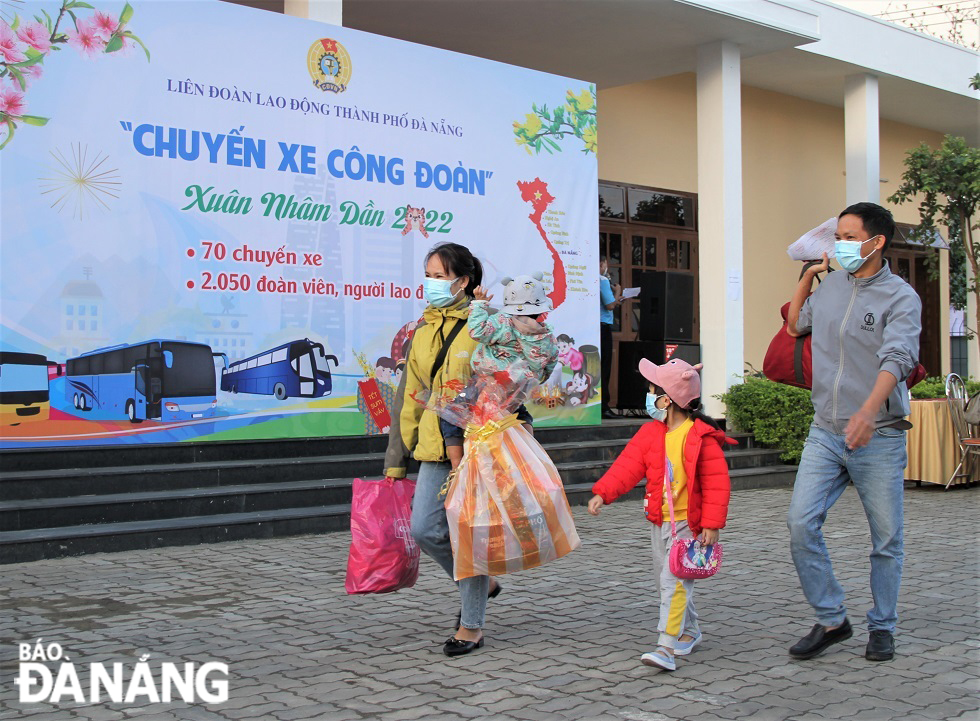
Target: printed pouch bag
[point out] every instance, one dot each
(688, 557)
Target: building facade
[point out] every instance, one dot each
(727, 130)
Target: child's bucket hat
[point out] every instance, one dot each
(525, 295)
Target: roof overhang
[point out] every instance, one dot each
(804, 48)
(608, 42)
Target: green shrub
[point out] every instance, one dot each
(935, 387)
(777, 415)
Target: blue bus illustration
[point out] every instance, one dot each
(298, 368)
(161, 379)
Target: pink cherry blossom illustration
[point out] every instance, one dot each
(33, 72)
(105, 25)
(86, 39)
(26, 46)
(11, 101)
(10, 50)
(36, 35)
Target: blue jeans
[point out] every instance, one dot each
(877, 472)
(430, 529)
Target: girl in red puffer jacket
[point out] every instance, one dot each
(691, 443)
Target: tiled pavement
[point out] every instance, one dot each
(563, 641)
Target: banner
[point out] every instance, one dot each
(213, 219)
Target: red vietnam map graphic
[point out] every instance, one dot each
(536, 193)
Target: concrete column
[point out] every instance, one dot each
(945, 360)
(325, 11)
(861, 139)
(719, 88)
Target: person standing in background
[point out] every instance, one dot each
(609, 297)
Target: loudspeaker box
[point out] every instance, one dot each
(666, 305)
(632, 387)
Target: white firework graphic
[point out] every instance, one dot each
(79, 180)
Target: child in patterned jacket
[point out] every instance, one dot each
(512, 335)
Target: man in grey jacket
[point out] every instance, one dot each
(865, 325)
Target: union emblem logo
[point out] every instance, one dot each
(329, 64)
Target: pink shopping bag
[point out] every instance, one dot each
(383, 555)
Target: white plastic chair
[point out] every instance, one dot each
(968, 445)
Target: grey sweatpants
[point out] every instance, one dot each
(677, 613)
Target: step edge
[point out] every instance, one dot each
(130, 527)
(177, 493)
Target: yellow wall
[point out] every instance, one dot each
(648, 133)
(792, 170)
(793, 180)
(896, 141)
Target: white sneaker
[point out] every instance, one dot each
(659, 658)
(685, 647)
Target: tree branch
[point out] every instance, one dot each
(54, 33)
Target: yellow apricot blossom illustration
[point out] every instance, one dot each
(582, 101)
(543, 127)
(591, 140)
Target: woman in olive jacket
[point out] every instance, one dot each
(451, 274)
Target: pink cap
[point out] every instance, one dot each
(679, 379)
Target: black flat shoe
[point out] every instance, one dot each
(881, 646)
(455, 647)
(819, 639)
(492, 594)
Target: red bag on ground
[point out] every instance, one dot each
(383, 555)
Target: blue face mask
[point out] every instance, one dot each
(657, 414)
(848, 253)
(437, 292)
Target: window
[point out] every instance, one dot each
(94, 325)
(678, 254)
(644, 251)
(612, 202)
(93, 310)
(68, 324)
(615, 253)
(610, 245)
(903, 269)
(114, 362)
(81, 324)
(649, 206)
(265, 359)
(69, 310)
(959, 354)
(81, 310)
(279, 355)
